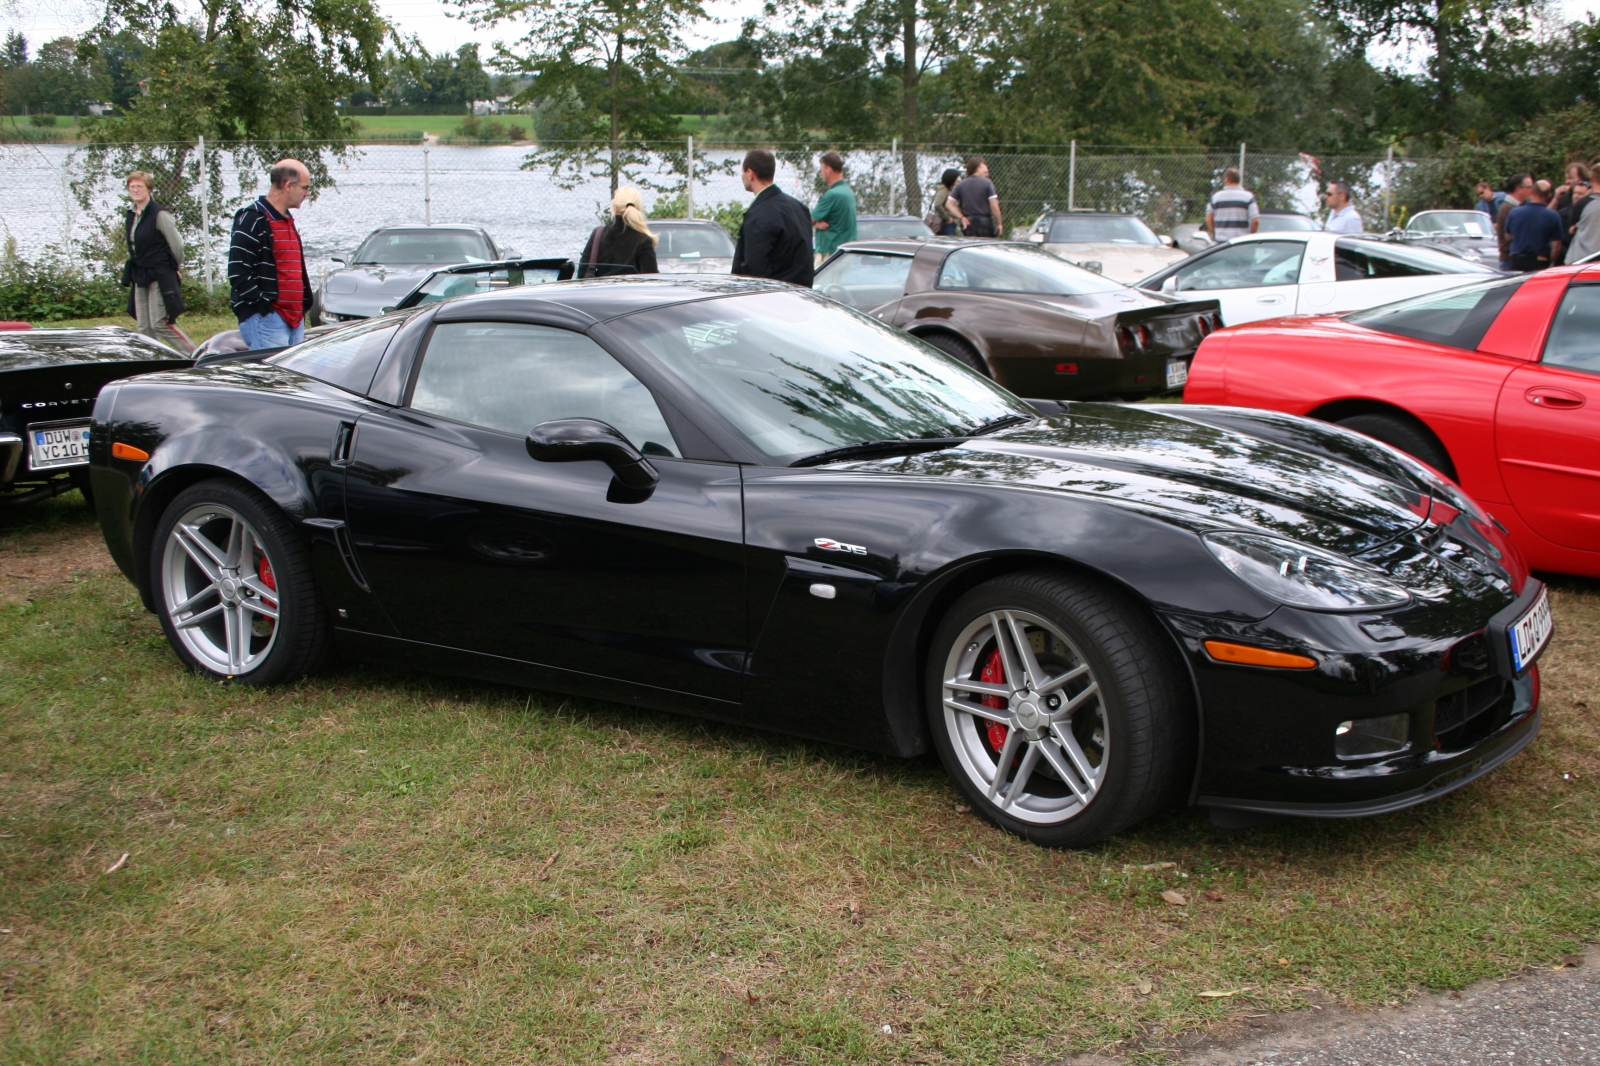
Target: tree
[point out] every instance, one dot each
(615, 56)
(450, 80)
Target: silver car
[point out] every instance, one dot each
(390, 263)
(692, 246)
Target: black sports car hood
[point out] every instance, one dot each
(1203, 476)
(33, 349)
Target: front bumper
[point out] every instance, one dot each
(1269, 735)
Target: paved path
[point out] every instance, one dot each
(1545, 1018)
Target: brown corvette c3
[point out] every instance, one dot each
(1029, 319)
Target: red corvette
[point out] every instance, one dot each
(1496, 384)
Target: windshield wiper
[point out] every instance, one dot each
(997, 423)
(875, 448)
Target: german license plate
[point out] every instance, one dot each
(1531, 632)
(64, 444)
(1177, 373)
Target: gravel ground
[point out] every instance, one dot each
(1543, 1018)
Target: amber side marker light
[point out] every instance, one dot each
(128, 451)
(1249, 655)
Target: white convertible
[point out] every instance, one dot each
(1266, 275)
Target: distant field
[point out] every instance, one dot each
(398, 125)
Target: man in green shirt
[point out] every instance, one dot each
(834, 217)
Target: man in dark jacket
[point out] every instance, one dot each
(775, 237)
(266, 264)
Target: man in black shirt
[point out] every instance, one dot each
(775, 237)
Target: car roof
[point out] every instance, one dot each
(889, 218)
(910, 245)
(1277, 211)
(1091, 214)
(685, 222)
(599, 299)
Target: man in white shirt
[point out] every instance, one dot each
(1344, 218)
(1232, 211)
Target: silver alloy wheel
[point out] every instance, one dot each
(1033, 736)
(218, 585)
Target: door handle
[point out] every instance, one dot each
(1275, 298)
(1556, 399)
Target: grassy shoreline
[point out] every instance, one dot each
(372, 865)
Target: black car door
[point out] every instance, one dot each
(470, 543)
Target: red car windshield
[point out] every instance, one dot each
(1456, 318)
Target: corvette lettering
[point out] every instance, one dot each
(839, 546)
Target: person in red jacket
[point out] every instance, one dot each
(266, 264)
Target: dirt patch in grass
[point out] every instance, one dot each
(58, 544)
(374, 866)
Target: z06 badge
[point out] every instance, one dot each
(838, 546)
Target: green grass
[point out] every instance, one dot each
(197, 327)
(378, 127)
(375, 866)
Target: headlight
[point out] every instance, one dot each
(1302, 576)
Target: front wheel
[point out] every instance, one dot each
(959, 350)
(234, 588)
(1058, 708)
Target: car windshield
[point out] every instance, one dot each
(798, 374)
(693, 242)
(1279, 223)
(1019, 268)
(1093, 229)
(347, 357)
(1452, 224)
(444, 285)
(878, 229)
(409, 247)
(1457, 318)
(864, 279)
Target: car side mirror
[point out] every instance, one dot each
(576, 440)
(1036, 238)
(1171, 284)
(510, 255)
(337, 259)
(1166, 239)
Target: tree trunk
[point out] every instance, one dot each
(910, 78)
(1443, 66)
(616, 113)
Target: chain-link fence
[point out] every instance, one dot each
(68, 199)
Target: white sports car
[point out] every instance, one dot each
(1266, 275)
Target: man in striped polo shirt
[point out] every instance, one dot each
(1232, 211)
(266, 265)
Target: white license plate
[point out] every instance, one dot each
(54, 446)
(1177, 373)
(1531, 632)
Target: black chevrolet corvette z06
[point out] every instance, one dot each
(49, 379)
(742, 500)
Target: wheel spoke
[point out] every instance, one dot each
(1033, 675)
(201, 550)
(1068, 775)
(1080, 761)
(1008, 659)
(196, 619)
(1049, 686)
(188, 604)
(236, 539)
(978, 710)
(238, 638)
(1025, 771)
(264, 608)
(1075, 702)
(981, 688)
(1002, 766)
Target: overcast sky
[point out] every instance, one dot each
(42, 20)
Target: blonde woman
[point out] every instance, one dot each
(155, 255)
(625, 245)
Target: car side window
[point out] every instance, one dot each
(1574, 341)
(510, 377)
(347, 358)
(1248, 265)
(1356, 263)
(863, 279)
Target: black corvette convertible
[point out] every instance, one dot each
(742, 500)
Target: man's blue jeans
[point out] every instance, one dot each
(270, 331)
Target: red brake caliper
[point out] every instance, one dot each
(264, 572)
(993, 670)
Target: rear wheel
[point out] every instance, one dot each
(959, 350)
(1403, 434)
(234, 588)
(1058, 708)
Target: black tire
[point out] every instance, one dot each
(297, 642)
(1406, 435)
(958, 349)
(1138, 720)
